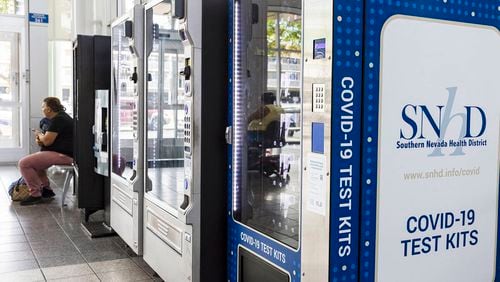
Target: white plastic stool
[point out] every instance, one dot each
(69, 170)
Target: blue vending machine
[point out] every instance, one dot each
(430, 176)
(294, 167)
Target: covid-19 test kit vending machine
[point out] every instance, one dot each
(295, 101)
(127, 130)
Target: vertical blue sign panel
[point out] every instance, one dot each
(426, 62)
(347, 82)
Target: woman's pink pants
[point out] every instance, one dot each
(33, 168)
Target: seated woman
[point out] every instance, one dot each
(56, 149)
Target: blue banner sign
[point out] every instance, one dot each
(38, 18)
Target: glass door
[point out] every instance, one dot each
(124, 107)
(10, 102)
(165, 113)
(267, 123)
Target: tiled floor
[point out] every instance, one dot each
(45, 243)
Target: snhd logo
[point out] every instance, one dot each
(439, 118)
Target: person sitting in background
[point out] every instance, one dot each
(56, 149)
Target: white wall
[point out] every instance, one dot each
(95, 16)
(90, 17)
(38, 64)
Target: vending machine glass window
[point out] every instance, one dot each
(165, 111)
(267, 123)
(124, 103)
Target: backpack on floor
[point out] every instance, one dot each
(18, 190)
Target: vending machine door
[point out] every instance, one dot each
(167, 236)
(127, 132)
(265, 214)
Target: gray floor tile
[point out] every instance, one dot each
(46, 224)
(16, 256)
(75, 233)
(71, 225)
(65, 243)
(118, 240)
(20, 265)
(58, 251)
(54, 235)
(60, 260)
(113, 265)
(84, 278)
(144, 266)
(85, 244)
(33, 275)
(42, 230)
(66, 271)
(124, 275)
(30, 220)
(67, 220)
(34, 210)
(12, 247)
(103, 256)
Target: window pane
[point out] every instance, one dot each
(12, 7)
(5, 71)
(9, 127)
(61, 76)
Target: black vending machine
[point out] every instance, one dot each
(91, 75)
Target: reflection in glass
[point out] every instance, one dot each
(267, 122)
(124, 107)
(165, 114)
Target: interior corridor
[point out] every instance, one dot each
(45, 242)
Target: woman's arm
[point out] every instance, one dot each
(48, 138)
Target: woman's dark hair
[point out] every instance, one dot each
(54, 104)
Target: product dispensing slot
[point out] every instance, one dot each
(252, 268)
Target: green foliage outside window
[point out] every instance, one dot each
(272, 39)
(4, 6)
(289, 32)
